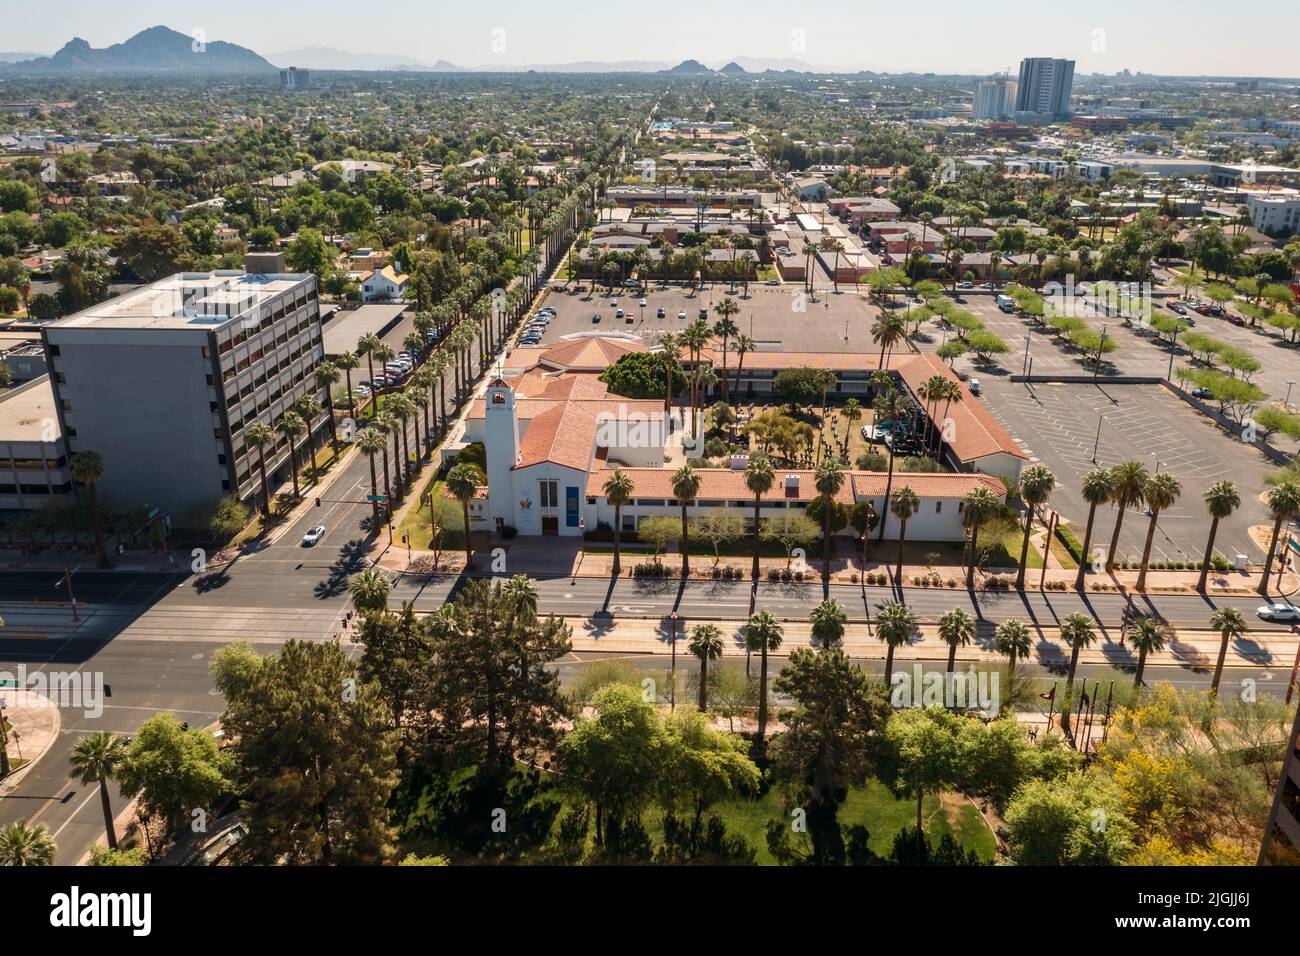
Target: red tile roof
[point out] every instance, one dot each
(729, 484)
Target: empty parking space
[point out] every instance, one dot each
(1072, 429)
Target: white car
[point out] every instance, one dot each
(1279, 612)
(313, 536)
(681, 314)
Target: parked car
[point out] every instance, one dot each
(595, 317)
(681, 314)
(660, 312)
(772, 282)
(974, 386)
(618, 313)
(642, 303)
(704, 313)
(314, 535)
(1279, 612)
(1177, 308)
(1200, 392)
(1234, 319)
(965, 285)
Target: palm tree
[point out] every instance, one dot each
(829, 479)
(957, 629)
(1012, 639)
(743, 345)
(829, 620)
(669, 353)
(96, 759)
(23, 845)
(726, 329)
(524, 591)
(366, 346)
(706, 644)
(1036, 485)
(403, 408)
(345, 363)
(1231, 624)
(372, 443)
(895, 625)
(903, 503)
(462, 482)
(1128, 479)
(686, 488)
(326, 377)
(291, 426)
(1097, 490)
(88, 469)
(1221, 500)
(1161, 491)
(759, 478)
(887, 331)
(369, 590)
(763, 633)
(1147, 636)
(1283, 503)
(618, 492)
(310, 409)
(978, 508)
(259, 435)
(890, 407)
(1078, 631)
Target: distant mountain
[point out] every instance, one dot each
(330, 58)
(760, 64)
(732, 69)
(691, 68)
(19, 57)
(155, 50)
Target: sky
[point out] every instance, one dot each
(1190, 37)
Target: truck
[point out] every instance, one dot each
(1005, 303)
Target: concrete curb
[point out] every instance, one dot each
(10, 783)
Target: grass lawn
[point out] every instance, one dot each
(872, 806)
(416, 524)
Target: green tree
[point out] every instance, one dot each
(923, 754)
(316, 748)
(829, 479)
(1077, 819)
(1078, 632)
(1012, 638)
(759, 478)
(1283, 502)
(1147, 637)
(172, 770)
(309, 252)
(369, 589)
(234, 668)
(258, 435)
(1128, 480)
(462, 482)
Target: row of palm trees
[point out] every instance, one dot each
(895, 625)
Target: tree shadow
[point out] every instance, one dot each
(351, 559)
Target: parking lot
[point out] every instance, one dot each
(1058, 426)
(776, 317)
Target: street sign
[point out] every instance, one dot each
(379, 498)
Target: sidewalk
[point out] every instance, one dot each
(568, 556)
(1188, 647)
(34, 726)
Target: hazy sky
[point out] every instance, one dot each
(1103, 36)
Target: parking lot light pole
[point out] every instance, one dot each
(1287, 401)
(1096, 443)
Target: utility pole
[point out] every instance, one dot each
(672, 690)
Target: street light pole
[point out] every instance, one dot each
(1096, 443)
(1287, 401)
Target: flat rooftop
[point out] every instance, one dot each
(187, 300)
(26, 411)
(345, 327)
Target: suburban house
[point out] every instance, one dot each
(383, 285)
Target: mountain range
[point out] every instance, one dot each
(155, 50)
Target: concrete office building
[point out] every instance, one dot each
(995, 99)
(1044, 87)
(164, 381)
(1281, 846)
(34, 470)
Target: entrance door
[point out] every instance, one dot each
(550, 524)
